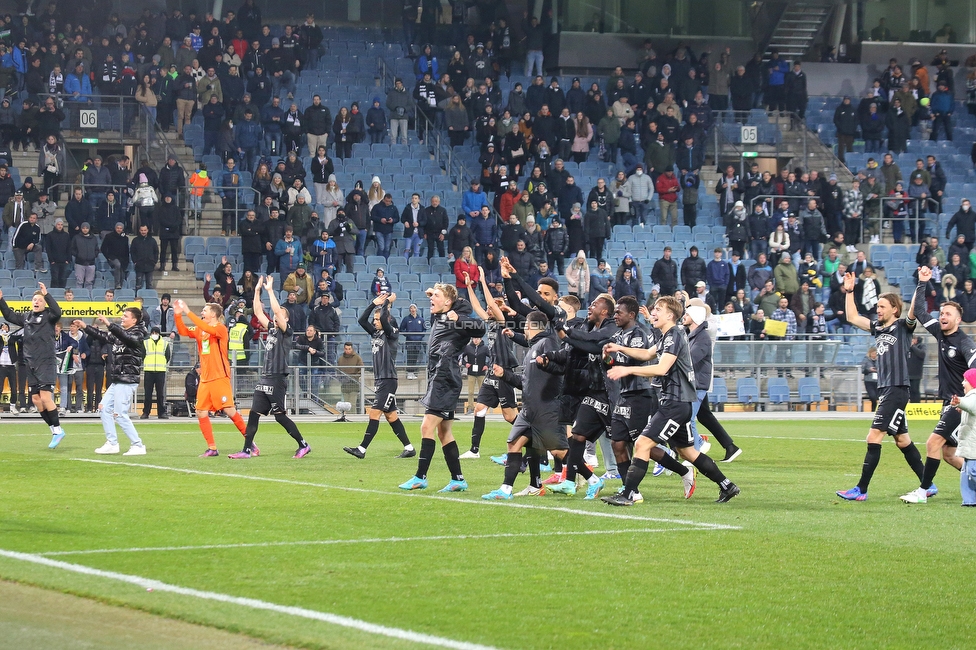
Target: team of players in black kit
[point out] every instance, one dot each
(581, 378)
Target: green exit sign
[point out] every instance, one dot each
(89, 140)
(750, 154)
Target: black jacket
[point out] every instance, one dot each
(170, 220)
(57, 245)
(459, 237)
(845, 119)
(965, 223)
(126, 353)
(665, 274)
(116, 247)
(317, 120)
(145, 253)
(433, 221)
(253, 237)
(38, 342)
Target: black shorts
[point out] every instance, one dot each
(495, 391)
(41, 377)
(671, 425)
(269, 396)
(543, 433)
(630, 416)
(948, 425)
(890, 416)
(568, 408)
(444, 415)
(593, 417)
(385, 395)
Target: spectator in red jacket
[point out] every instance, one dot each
(466, 265)
(506, 202)
(667, 189)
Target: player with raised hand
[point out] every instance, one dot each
(893, 339)
(215, 392)
(957, 354)
(269, 394)
(451, 328)
(38, 354)
(385, 336)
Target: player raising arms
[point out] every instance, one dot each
(957, 354)
(38, 353)
(215, 392)
(494, 391)
(384, 335)
(893, 338)
(450, 330)
(269, 394)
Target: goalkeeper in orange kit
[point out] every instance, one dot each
(215, 392)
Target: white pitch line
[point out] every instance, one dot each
(509, 504)
(334, 619)
(368, 540)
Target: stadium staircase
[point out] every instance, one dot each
(798, 28)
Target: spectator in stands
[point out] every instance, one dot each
(484, 227)
(172, 178)
(57, 243)
(300, 282)
(785, 278)
(758, 274)
(872, 128)
(846, 122)
(317, 121)
(384, 215)
(728, 189)
(292, 130)
(77, 85)
(27, 239)
(958, 268)
(639, 189)
(768, 298)
(596, 227)
(693, 270)
(376, 122)
(814, 230)
(718, 276)
(667, 186)
(898, 124)
(98, 180)
(964, 221)
(578, 277)
(51, 165)
(248, 137)
(253, 241)
(629, 286)
(169, 220)
(941, 106)
(967, 300)
(115, 248)
(664, 273)
(866, 292)
(144, 252)
(84, 249)
(737, 227)
(601, 281)
(380, 284)
(433, 227)
(343, 232)
(289, 252)
(796, 91)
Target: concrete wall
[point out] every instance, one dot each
(579, 51)
(879, 53)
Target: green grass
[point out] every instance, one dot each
(803, 568)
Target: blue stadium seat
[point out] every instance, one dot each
(778, 390)
(747, 391)
(809, 390)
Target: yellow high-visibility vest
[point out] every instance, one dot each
(155, 354)
(235, 346)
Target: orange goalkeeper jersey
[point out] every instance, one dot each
(211, 346)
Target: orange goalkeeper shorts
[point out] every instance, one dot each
(215, 395)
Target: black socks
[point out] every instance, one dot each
(708, 467)
(252, 428)
(453, 460)
(477, 432)
(871, 460)
(623, 468)
(535, 472)
(371, 428)
(44, 416)
(931, 467)
(512, 466)
(427, 446)
(635, 474)
(667, 462)
(289, 425)
(914, 460)
(400, 432)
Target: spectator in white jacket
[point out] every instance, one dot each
(640, 189)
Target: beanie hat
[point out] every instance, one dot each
(970, 376)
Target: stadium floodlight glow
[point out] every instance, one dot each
(343, 408)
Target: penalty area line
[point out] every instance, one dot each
(508, 504)
(301, 612)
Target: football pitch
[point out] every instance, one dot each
(326, 552)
